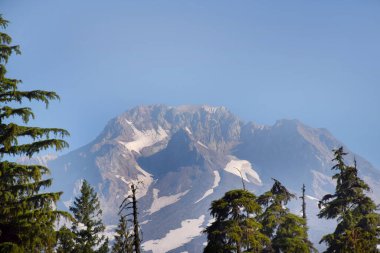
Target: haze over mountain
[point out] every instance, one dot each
(187, 156)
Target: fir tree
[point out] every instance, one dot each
(287, 231)
(65, 240)
(27, 215)
(358, 228)
(123, 238)
(235, 228)
(88, 224)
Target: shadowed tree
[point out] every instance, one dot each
(123, 238)
(65, 240)
(235, 228)
(358, 228)
(287, 231)
(27, 213)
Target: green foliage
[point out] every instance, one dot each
(358, 228)
(65, 239)
(235, 228)
(8, 247)
(123, 238)
(88, 225)
(287, 231)
(291, 235)
(27, 216)
(274, 202)
(104, 247)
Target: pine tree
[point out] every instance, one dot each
(235, 228)
(27, 215)
(88, 224)
(358, 228)
(123, 238)
(288, 232)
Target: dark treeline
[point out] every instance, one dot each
(243, 221)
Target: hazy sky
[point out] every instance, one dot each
(317, 61)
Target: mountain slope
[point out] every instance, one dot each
(187, 156)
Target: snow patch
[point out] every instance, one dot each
(311, 197)
(177, 237)
(188, 130)
(210, 109)
(143, 139)
(145, 222)
(246, 170)
(143, 181)
(211, 191)
(202, 145)
(160, 202)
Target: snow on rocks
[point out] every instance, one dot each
(143, 139)
(188, 130)
(211, 191)
(246, 170)
(176, 238)
(161, 202)
(143, 181)
(202, 145)
(311, 198)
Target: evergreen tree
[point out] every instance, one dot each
(235, 228)
(65, 240)
(88, 224)
(130, 202)
(287, 231)
(358, 228)
(27, 215)
(123, 238)
(104, 248)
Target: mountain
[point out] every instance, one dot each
(184, 157)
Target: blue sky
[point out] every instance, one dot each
(317, 61)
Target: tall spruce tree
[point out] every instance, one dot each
(358, 228)
(88, 226)
(235, 228)
(123, 238)
(288, 232)
(27, 215)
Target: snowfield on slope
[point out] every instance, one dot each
(246, 170)
(211, 191)
(160, 202)
(143, 180)
(143, 139)
(177, 237)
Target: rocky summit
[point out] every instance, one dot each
(186, 156)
